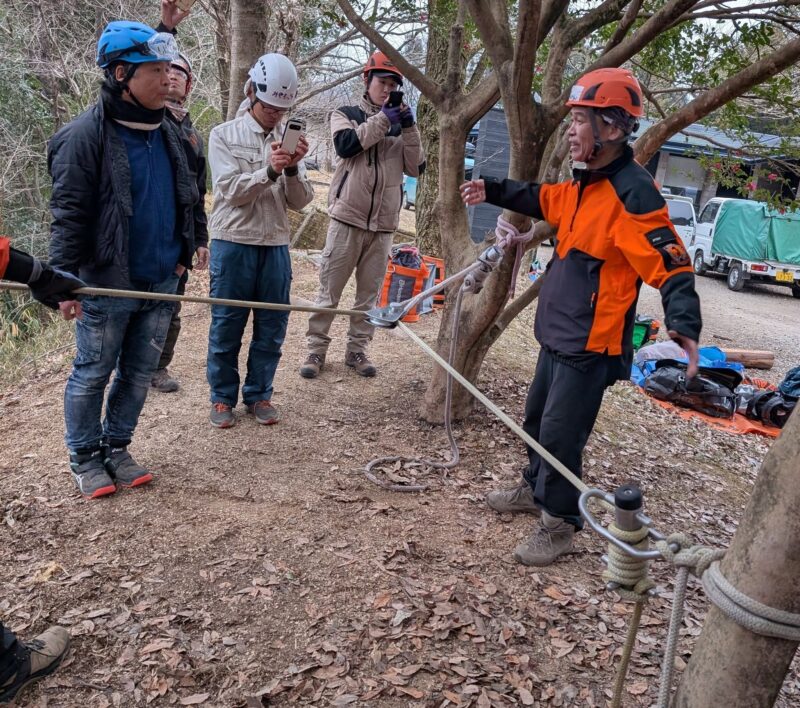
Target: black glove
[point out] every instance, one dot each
(406, 117)
(53, 286)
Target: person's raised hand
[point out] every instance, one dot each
(299, 152)
(171, 14)
(473, 192)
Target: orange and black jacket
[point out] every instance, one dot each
(613, 233)
(14, 265)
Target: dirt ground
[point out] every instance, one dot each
(262, 568)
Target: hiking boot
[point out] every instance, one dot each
(222, 415)
(36, 659)
(264, 411)
(124, 469)
(312, 366)
(90, 474)
(163, 382)
(518, 499)
(552, 539)
(359, 362)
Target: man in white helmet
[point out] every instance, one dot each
(254, 180)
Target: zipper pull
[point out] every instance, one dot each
(593, 300)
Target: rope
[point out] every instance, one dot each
(507, 235)
(624, 570)
(455, 455)
(627, 651)
(747, 612)
(171, 297)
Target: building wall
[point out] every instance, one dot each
(492, 158)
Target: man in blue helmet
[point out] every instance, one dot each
(122, 209)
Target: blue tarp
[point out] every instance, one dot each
(711, 357)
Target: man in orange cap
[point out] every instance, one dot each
(376, 142)
(614, 233)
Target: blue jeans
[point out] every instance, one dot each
(243, 272)
(121, 333)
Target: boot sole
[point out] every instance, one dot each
(139, 481)
(224, 425)
(532, 512)
(309, 374)
(102, 492)
(361, 373)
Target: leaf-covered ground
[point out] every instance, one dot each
(262, 568)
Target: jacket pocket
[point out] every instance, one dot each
(251, 157)
(341, 184)
(89, 333)
(568, 301)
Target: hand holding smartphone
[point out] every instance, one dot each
(291, 134)
(395, 99)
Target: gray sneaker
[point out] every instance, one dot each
(264, 411)
(124, 469)
(518, 499)
(552, 539)
(163, 382)
(222, 415)
(312, 366)
(90, 475)
(360, 362)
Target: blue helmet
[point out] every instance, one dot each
(135, 43)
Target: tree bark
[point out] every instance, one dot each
(731, 666)
(248, 41)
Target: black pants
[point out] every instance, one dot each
(8, 654)
(174, 326)
(562, 406)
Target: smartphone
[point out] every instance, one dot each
(291, 134)
(395, 99)
(185, 5)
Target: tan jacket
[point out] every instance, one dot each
(248, 206)
(367, 186)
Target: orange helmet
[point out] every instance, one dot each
(607, 88)
(380, 65)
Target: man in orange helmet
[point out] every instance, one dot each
(376, 143)
(613, 233)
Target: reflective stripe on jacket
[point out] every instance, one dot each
(367, 187)
(613, 233)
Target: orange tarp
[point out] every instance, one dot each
(738, 425)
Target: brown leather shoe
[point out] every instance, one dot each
(312, 366)
(359, 362)
(36, 659)
(518, 499)
(552, 539)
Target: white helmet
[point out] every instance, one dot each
(274, 80)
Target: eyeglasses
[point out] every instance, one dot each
(177, 68)
(273, 109)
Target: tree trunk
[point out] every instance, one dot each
(248, 40)
(441, 17)
(730, 666)
(479, 312)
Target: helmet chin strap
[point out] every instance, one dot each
(599, 144)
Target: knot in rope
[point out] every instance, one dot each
(696, 559)
(627, 572)
(508, 235)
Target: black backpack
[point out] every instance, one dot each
(710, 392)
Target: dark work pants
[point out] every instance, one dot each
(174, 326)
(562, 406)
(8, 654)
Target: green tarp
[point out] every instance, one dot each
(750, 231)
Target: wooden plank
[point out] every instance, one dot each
(751, 358)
